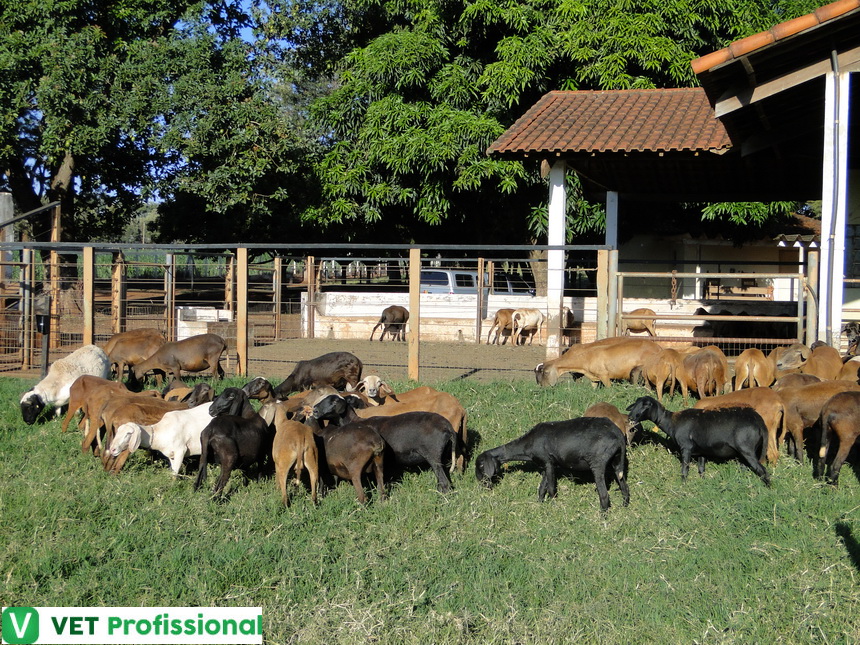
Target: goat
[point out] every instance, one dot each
(393, 321)
(426, 399)
(501, 323)
(723, 433)
(753, 367)
(840, 418)
(777, 417)
(820, 360)
(631, 324)
(195, 354)
(338, 369)
(351, 449)
(600, 361)
(237, 437)
(128, 348)
(176, 436)
(293, 448)
(412, 439)
(53, 390)
(568, 326)
(526, 320)
(609, 411)
(593, 444)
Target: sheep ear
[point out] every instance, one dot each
(134, 439)
(362, 386)
(385, 389)
(237, 406)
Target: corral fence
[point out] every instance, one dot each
(257, 296)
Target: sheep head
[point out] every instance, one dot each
(32, 405)
(126, 437)
(231, 401)
(258, 388)
(641, 408)
(793, 357)
(487, 469)
(546, 375)
(331, 408)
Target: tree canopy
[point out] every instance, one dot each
(290, 119)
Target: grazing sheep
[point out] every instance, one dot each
(237, 437)
(195, 354)
(840, 419)
(753, 369)
(352, 449)
(631, 324)
(393, 322)
(794, 380)
(660, 370)
(820, 360)
(293, 448)
(609, 411)
(705, 371)
(600, 361)
(338, 369)
(81, 391)
(54, 389)
(128, 348)
(594, 444)
(412, 439)
(722, 434)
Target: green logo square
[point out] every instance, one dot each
(20, 625)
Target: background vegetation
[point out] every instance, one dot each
(360, 120)
(721, 559)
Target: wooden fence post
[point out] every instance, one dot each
(54, 262)
(89, 295)
(242, 311)
(311, 275)
(414, 334)
(480, 317)
(602, 293)
(277, 289)
(169, 297)
(118, 307)
(28, 273)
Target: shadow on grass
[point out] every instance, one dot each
(844, 531)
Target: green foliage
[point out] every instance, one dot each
(751, 213)
(427, 86)
(716, 559)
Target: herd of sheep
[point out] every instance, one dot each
(327, 421)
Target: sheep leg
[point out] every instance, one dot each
(548, 482)
(621, 480)
(841, 456)
(355, 478)
(753, 462)
(443, 484)
(377, 470)
(281, 476)
(686, 456)
(701, 466)
(600, 484)
(311, 464)
(228, 462)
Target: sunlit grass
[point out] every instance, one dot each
(719, 559)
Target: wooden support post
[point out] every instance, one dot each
(230, 285)
(89, 295)
(277, 289)
(54, 290)
(242, 311)
(26, 289)
(479, 318)
(812, 264)
(118, 300)
(169, 298)
(414, 334)
(602, 293)
(311, 275)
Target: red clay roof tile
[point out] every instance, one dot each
(616, 121)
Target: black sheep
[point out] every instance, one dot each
(237, 437)
(585, 443)
(722, 433)
(338, 369)
(412, 439)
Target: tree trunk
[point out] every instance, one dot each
(537, 262)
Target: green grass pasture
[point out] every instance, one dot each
(720, 559)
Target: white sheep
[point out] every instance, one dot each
(176, 436)
(55, 388)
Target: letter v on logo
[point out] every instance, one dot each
(20, 625)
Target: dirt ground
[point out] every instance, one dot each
(438, 362)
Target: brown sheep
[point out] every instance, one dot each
(82, 391)
(393, 322)
(753, 367)
(600, 361)
(631, 324)
(609, 411)
(794, 380)
(293, 448)
(195, 354)
(806, 403)
(662, 369)
(820, 360)
(706, 371)
(840, 418)
(128, 348)
(501, 323)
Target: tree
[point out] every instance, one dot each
(431, 83)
